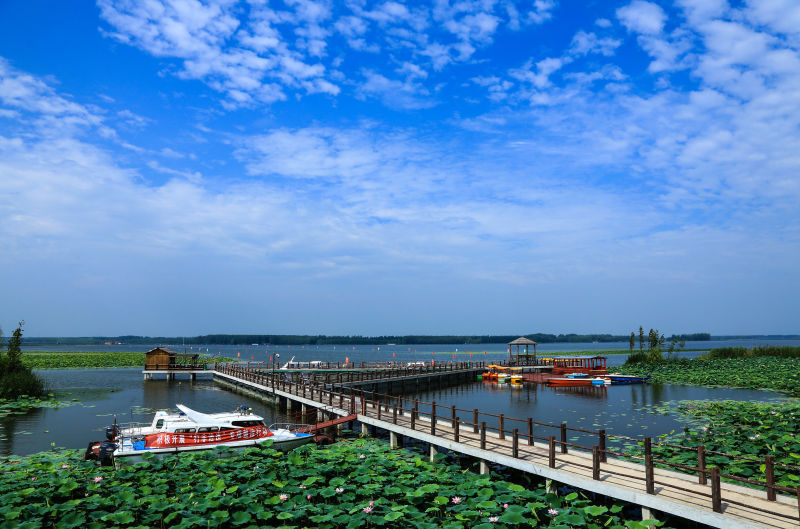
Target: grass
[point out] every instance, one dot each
(361, 483)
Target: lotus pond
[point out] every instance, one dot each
(92, 359)
(24, 404)
(753, 429)
(773, 373)
(361, 483)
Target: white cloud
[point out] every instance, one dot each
(542, 11)
(22, 91)
(192, 176)
(642, 17)
(584, 43)
(782, 16)
(539, 74)
(395, 94)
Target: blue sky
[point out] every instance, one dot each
(190, 167)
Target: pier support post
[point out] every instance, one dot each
(484, 467)
(393, 440)
(551, 487)
(364, 429)
(433, 451)
(647, 514)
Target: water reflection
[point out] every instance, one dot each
(104, 393)
(12, 434)
(624, 410)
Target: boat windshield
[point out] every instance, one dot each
(245, 424)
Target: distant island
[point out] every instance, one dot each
(297, 339)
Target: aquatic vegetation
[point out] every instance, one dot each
(23, 404)
(89, 360)
(785, 351)
(753, 429)
(765, 372)
(309, 487)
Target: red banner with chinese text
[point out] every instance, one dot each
(169, 439)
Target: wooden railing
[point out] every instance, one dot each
(175, 367)
(433, 364)
(460, 425)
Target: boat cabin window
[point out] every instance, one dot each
(184, 430)
(208, 429)
(245, 424)
(160, 423)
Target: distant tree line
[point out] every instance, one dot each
(321, 339)
(694, 337)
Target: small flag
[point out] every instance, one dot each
(238, 355)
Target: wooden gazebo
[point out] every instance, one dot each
(519, 342)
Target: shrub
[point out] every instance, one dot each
(18, 383)
(15, 378)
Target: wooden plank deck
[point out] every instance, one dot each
(676, 493)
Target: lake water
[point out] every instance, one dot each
(104, 393)
(371, 353)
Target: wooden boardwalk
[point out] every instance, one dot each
(700, 496)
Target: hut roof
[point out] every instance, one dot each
(160, 350)
(522, 341)
(170, 352)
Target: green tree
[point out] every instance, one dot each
(655, 342)
(641, 339)
(633, 340)
(14, 353)
(15, 378)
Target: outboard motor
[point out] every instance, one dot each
(111, 433)
(106, 453)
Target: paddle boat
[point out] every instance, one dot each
(515, 376)
(193, 431)
(492, 373)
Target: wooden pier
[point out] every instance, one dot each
(697, 493)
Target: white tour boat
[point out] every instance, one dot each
(192, 431)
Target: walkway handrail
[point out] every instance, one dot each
(391, 408)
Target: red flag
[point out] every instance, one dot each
(252, 357)
(270, 358)
(238, 355)
(454, 356)
(394, 355)
(470, 355)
